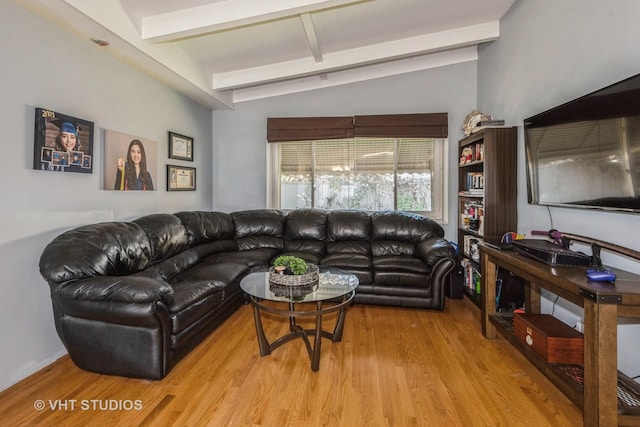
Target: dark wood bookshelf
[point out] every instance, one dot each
(497, 165)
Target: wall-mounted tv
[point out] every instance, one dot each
(586, 153)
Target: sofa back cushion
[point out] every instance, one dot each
(305, 231)
(166, 235)
(349, 231)
(259, 228)
(396, 233)
(104, 249)
(203, 227)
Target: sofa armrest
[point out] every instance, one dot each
(131, 289)
(430, 251)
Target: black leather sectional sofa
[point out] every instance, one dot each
(133, 298)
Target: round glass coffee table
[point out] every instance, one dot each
(334, 291)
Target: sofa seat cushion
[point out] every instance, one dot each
(400, 264)
(345, 260)
(393, 283)
(250, 257)
(193, 300)
(200, 289)
(225, 272)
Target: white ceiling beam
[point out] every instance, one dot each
(171, 26)
(368, 72)
(412, 46)
(312, 38)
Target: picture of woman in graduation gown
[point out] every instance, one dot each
(132, 173)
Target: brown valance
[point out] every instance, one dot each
(308, 128)
(424, 125)
(428, 125)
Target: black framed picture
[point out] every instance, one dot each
(180, 147)
(62, 143)
(181, 178)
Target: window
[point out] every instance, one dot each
(360, 173)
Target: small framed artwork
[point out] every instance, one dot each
(181, 178)
(180, 147)
(62, 143)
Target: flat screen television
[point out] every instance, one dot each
(586, 153)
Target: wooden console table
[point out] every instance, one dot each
(603, 304)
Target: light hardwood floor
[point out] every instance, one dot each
(394, 367)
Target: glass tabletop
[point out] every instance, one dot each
(329, 285)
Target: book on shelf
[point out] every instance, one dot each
(475, 182)
(470, 247)
(472, 215)
(474, 195)
(471, 277)
(479, 152)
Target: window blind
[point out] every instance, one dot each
(422, 125)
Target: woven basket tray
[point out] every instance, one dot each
(311, 276)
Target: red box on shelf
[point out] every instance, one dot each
(550, 338)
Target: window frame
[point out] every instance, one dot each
(439, 182)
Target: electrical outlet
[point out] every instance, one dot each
(580, 326)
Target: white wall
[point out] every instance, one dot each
(44, 66)
(551, 52)
(239, 153)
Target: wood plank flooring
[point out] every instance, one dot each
(394, 367)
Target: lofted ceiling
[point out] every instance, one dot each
(220, 52)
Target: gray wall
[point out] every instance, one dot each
(551, 52)
(239, 152)
(44, 66)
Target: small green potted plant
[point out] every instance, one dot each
(292, 265)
